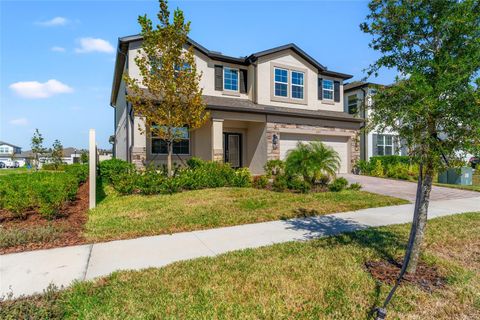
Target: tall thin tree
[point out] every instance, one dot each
(167, 94)
(435, 105)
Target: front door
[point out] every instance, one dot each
(232, 149)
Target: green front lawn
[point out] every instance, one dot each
(318, 279)
(136, 215)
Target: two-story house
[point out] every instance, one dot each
(260, 106)
(8, 153)
(358, 101)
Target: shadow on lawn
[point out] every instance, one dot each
(386, 244)
(100, 192)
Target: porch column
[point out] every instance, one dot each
(217, 139)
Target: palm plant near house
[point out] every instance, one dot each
(311, 161)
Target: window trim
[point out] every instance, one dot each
(330, 90)
(351, 104)
(280, 82)
(297, 85)
(238, 79)
(382, 138)
(164, 154)
(288, 99)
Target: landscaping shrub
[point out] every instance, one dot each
(377, 170)
(242, 178)
(274, 167)
(398, 171)
(324, 180)
(260, 182)
(298, 184)
(280, 183)
(110, 168)
(149, 182)
(364, 167)
(125, 182)
(194, 163)
(338, 184)
(391, 160)
(355, 186)
(79, 171)
(54, 166)
(311, 161)
(44, 191)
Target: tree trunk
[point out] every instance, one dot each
(169, 158)
(419, 223)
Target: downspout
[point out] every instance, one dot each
(363, 144)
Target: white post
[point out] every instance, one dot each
(92, 169)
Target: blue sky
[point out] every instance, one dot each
(57, 57)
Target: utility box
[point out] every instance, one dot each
(461, 176)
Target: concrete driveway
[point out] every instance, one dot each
(405, 189)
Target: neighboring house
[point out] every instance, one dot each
(260, 107)
(70, 156)
(8, 153)
(357, 102)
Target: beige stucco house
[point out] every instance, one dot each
(260, 107)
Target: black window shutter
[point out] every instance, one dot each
(374, 144)
(243, 81)
(336, 91)
(219, 78)
(320, 89)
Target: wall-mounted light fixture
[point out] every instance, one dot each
(275, 141)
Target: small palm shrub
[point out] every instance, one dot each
(298, 184)
(311, 161)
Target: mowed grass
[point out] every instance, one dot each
(136, 215)
(318, 279)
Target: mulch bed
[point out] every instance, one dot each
(71, 222)
(427, 277)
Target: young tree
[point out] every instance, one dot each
(84, 157)
(435, 106)
(173, 98)
(37, 147)
(57, 154)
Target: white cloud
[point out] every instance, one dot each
(57, 49)
(39, 90)
(19, 122)
(54, 22)
(94, 45)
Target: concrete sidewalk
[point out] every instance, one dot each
(31, 272)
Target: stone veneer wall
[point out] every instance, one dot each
(139, 157)
(274, 128)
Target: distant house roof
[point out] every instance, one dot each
(123, 48)
(359, 84)
(67, 153)
(9, 144)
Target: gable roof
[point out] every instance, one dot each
(123, 48)
(9, 144)
(359, 84)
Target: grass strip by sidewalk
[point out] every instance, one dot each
(318, 279)
(136, 215)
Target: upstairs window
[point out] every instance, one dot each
(180, 147)
(230, 79)
(352, 104)
(281, 82)
(328, 89)
(297, 85)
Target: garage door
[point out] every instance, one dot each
(289, 141)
